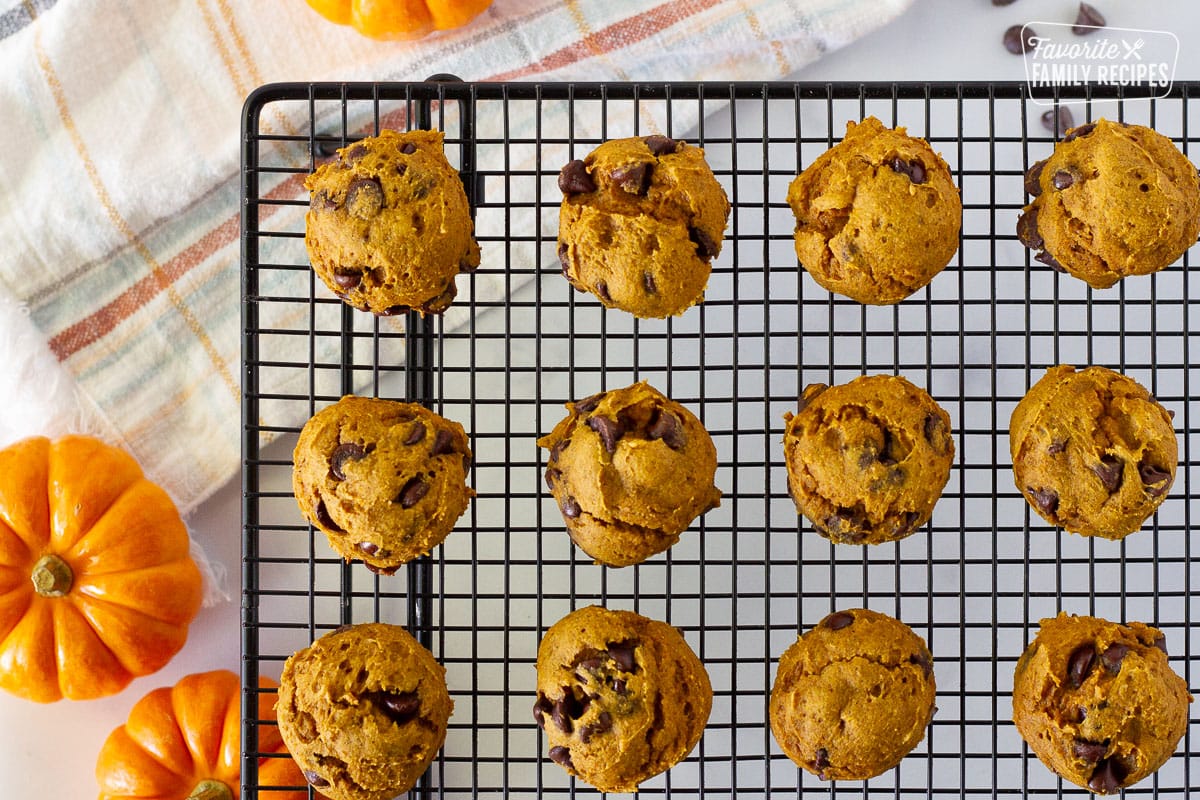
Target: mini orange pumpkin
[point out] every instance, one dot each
(97, 585)
(184, 743)
(400, 19)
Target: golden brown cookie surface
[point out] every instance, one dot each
(621, 697)
(853, 695)
(630, 470)
(1092, 451)
(384, 480)
(877, 216)
(1112, 200)
(363, 711)
(640, 222)
(867, 460)
(389, 226)
(1098, 702)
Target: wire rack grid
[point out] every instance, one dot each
(751, 575)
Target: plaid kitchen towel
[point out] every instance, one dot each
(119, 285)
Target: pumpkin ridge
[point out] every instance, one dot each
(157, 640)
(130, 589)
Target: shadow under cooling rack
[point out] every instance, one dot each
(750, 575)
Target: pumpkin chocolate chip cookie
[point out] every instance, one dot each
(1098, 702)
(877, 216)
(389, 226)
(1092, 451)
(363, 711)
(621, 697)
(630, 470)
(867, 460)
(1112, 200)
(853, 696)
(384, 480)
(640, 222)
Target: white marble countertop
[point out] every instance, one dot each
(49, 752)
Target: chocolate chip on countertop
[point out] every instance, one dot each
(347, 451)
(915, 170)
(1108, 777)
(666, 426)
(325, 520)
(1080, 664)
(412, 492)
(660, 145)
(706, 247)
(1087, 20)
(562, 756)
(633, 178)
(401, 708)
(1109, 471)
(623, 654)
(1089, 751)
(1058, 121)
(574, 179)
(415, 434)
(570, 508)
(1113, 656)
(315, 779)
(1033, 186)
(364, 198)
(609, 431)
(1063, 180)
(838, 620)
(443, 443)
(1017, 44)
(1045, 500)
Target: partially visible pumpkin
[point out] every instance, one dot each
(400, 19)
(184, 743)
(97, 585)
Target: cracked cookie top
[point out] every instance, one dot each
(630, 470)
(621, 697)
(640, 223)
(1098, 702)
(1112, 200)
(385, 481)
(853, 695)
(877, 216)
(363, 711)
(867, 460)
(1092, 451)
(389, 225)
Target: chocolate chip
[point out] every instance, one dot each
(706, 246)
(400, 708)
(633, 178)
(415, 434)
(1076, 716)
(401, 169)
(320, 202)
(1156, 480)
(393, 311)
(666, 426)
(574, 179)
(821, 762)
(563, 257)
(1056, 447)
(348, 451)
(1063, 180)
(557, 451)
(325, 520)
(1017, 44)
(649, 284)
(1108, 777)
(1113, 657)
(1050, 261)
(364, 198)
(558, 713)
(602, 291)
(353, 154)
(542, 707)
(369, 548)
(623, 654)
(915, 170)
(1027, 230)
(1087, 20)
(603, 724)
(413, 491)
(381, 570)
(619, 686)
(838, 620)
(552, 476)
(347, 279)
(589, 658)
(1080, 664)
(1089, 751)
(1003, 2)
(1060, 122)
(443, 443)
(562, 756)
(587, 404)
(1109, 471)
(315, 779)
(1033, 185)
(935, 432)
(609, 431)
(1082, 130)
(660, 145)
(570, 508)
(922, 660)
(1045, 500)
(408, 149)
(1161, 642)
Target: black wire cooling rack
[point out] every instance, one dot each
(519, 342)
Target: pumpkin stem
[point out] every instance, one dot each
(52, 576)
(210, 790)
